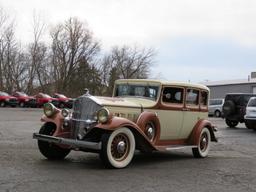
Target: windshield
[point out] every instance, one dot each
(146, 91)
(4, 94)
(252, 102)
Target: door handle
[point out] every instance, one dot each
(185, 109)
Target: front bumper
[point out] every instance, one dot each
(71, 142)
(250, 118)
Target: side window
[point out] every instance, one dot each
(192, 97)
(173, 95)
(204, 98)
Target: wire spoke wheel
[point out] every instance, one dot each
(204, 141)
(120, 147)
(117, 148)
(203, 147)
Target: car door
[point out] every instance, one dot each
(171, 113)
(191, 112)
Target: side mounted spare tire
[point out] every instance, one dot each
(229, 108)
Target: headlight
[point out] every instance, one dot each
(103, 115)
(7, 99)
(49, 109)
(26, 100)
(64, 112)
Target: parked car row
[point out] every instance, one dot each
(23, 100)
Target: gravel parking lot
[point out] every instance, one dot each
(231, 164)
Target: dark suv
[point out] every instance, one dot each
(234, 108)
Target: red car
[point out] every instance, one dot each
(64, 102)
(42, 98)
(24, 100)
(7, 100)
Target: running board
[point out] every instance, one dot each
(174, 147)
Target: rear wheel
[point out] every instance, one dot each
(150, 131)
(117, 148)
(231, 123)
(203, 147)
(50, 150)
(217, 113)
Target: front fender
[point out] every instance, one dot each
(57, 119)
(118, 122)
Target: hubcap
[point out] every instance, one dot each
(121, 147)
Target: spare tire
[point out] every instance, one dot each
(228, 108)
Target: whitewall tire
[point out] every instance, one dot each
(203, 146)
(117, 148)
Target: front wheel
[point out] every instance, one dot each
(22, 104)
(203, 146)
(231, 123)
(2, 104)
(117, 148)
(50, 150)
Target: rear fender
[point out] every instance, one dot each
(194, 137)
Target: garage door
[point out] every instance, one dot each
(254, 90)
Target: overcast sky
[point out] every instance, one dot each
(195, 40)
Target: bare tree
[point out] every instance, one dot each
(37, 52)
(126, 62)
(72, 46)
(3, 25)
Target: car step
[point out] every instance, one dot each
(175, 147)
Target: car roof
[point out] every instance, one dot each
(162, 82)
(250, 94)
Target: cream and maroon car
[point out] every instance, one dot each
(145, 115)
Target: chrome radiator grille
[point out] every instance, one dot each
(83, 115)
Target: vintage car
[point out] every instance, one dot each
(145, 115)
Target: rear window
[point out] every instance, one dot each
(204, 98)
(252, 103)
(216, 102)
(192, 97)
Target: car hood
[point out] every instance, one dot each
(125, 102)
